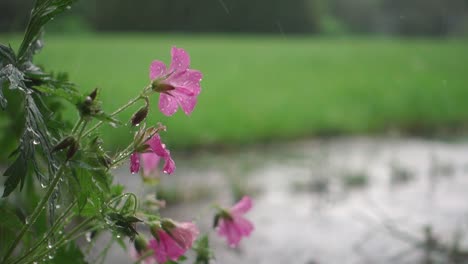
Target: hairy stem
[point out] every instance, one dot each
(57, 225)
(37, 211)
(127, 105)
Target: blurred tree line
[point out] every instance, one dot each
(403, 17)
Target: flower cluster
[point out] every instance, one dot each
(178, 86)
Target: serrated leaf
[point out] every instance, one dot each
(7, 55)
(16, 174)
(70, 95)
(43, 12)
(13, 76)
(9, 219)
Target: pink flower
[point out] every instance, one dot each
(150, 160)
(172, 240)
(179, 86)
(233, 225)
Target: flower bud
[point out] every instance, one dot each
(140, 244)
(66, 142)
(139, 116)
(72, 150)
(93, 94)
(154, 228)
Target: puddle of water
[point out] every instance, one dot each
(349, 200)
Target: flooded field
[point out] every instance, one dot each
(347, 200)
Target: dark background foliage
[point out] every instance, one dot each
(401, 17)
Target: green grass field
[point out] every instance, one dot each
(271, 88)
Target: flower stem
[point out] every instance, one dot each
(72, 235)
(147, 254)
(37, 211)
(127, 105)
(57, 224)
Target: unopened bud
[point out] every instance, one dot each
(66, 142)
(154, 228)
(93, 94)
(139, 116)
(140, 244)
(72, 150)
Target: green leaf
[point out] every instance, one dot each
(70, 253)
(43, 12)
(202, 248)
(70, 95)
(16, 174)
(13, 76)
(9, 219)
(7, 55)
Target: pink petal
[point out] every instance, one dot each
(189, 79)
(180, 60)
(243, 206)
(134, 163)
(228, 229)
(186, 102)
(169, 165)
(166, 248)
(150, 163)
(185, 234)
(157, 69)
(244, 226)
(157, 146)
(167, 104)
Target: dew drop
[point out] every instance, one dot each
(60, 232)
(35, 262)
(51, 256)
(49, 245)
(57, 206)
(26, 221)
(118, 236)
(137, 125)
(68, 7)
(43, 185)
(88, 237)
(35, 142)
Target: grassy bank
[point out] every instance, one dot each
(268, 88)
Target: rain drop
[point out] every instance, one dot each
(49, 245)
(35, 142)
(51, 256)
(118, 236)
(26, 221)
(68, 7)
(88, 237)
(57, 206)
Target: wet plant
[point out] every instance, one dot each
(59, 184)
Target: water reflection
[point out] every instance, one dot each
(350, 200)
